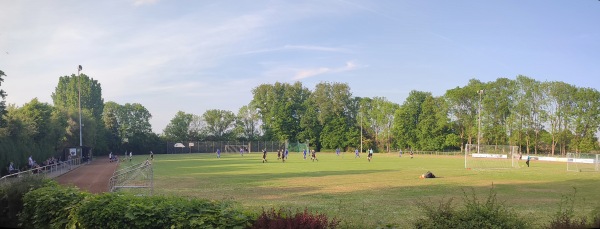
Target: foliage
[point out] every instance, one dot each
(50, 207)
(285, 218)
(112, 210)
(475, 214)
(178, 129)
(565, 218)
(12, 194)
(219, 123)
(2, 102)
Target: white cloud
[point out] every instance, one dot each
(144, 2)
(307, 73)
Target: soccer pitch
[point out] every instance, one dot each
(370, 194)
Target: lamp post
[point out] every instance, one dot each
(79, 92)
(480, 92)
(361, 130)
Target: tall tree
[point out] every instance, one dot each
(66, 94)
(462, 110)
(407, 119)
(247, 123)
(586, 121)
(280, 106)
(219, 123)
(179, 128)
(2, 102)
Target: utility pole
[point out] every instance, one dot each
(361, 130)
(79, 91)
(480, 92)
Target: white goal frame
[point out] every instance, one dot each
(236, 148)
(577, 164)
(482, 157)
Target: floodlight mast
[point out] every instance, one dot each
(79, 99)
(480, 92)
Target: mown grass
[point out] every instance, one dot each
(369, 194)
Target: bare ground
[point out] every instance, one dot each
(91, 177)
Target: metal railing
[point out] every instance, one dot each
(133, 177)
(51, 171)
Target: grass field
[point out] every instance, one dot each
(370, 194)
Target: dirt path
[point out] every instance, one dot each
(92, 177)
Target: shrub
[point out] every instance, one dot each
(111, 210)
(300, 220)
(12, 191)
(50, 207)
(475, 214)
(564, 218)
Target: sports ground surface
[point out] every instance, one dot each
(369, 194)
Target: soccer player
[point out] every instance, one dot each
(218, 153)
(264, 155)
(130, 155)
(527, 162)
(151, 156)
(304, 154)
(356, 153)
(286, 153)
(278, 154)
(242, 151)
(337, 152)
(411, 154)
(314, 156)
(370, 155)
(400, 153)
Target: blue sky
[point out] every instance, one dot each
(198, 55)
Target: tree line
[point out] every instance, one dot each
(539, 117)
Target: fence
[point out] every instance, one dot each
(138, 178)
(212, 146)
(50, 171)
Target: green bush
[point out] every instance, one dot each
(12, 191)
(112, 210)
(50, 207)
(565, 218)
(475, 214)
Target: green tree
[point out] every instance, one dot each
(66, 94)
(407, 119)
(247, 123)
(560, 97)
(70, 91)
(280, 107)
(462, 110)
(586, 119)
(219, 123)
(3, 102)
(179, 128)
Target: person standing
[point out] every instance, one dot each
(337, 152)
(304, 154)
(370, 155)
(400, 153)
(151, 156)
(286, 153)
(527, 162)
(356, 153)
(314, 156)
(130, 155)
(264, 155)
(218, 153)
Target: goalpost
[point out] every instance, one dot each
(491, 156)
(583, 162)
(236, 148)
